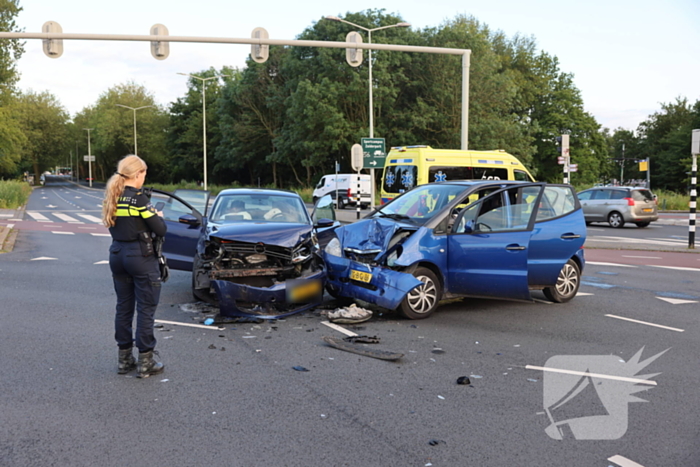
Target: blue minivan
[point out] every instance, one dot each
(495, 239)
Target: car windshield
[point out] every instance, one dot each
(259, 208)
(421, 203)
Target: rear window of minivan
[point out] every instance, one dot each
(642, 195)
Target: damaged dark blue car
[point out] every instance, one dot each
(254, 252)
(491, 239)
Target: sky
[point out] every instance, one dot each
(627, 57)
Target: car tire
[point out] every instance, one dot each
(422, 301)
(641, 225)
(202, 295)
(314, 199)
(341, 203)
(616, 220)
(568, 282)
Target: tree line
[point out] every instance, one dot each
(285, 122)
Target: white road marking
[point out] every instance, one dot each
(623, 461)
(642, 241)
(104, 261)
(99, 205)
(38, 217)
(42, 258)
(583, 294)
(63, 233)
(676, 301)
(645, 322)
(67, 218)
(51, 206)
(611, 264)
(677, 268)
(100, 235)
(339, 328)
(211, 328)
(91, 218)
(6, 215)
(592, 375)
(645, 257)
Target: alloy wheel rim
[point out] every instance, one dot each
(567, 281)
(422, 298)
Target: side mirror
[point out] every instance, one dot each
(469, 226)
(323, 223)
(189, 219)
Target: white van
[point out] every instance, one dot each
(345, 185)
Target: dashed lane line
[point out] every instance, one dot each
(623, 461)
(646, 323)
(592, 375)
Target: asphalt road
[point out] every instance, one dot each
(231, 396)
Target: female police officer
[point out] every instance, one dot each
(131, 219)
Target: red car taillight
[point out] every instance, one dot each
(630, 201)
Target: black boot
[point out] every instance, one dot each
(127, 362)
(147, 366)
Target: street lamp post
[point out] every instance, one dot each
(89, 157)
(204, 116)
(136, 146)
(371, 100)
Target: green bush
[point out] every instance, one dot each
(13, 194)
(670, 201)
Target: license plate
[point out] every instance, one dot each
(647, 210)
(303, 291)
(360, 276)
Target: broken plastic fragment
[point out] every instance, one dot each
(532, 380)
(362, 339)
(212, 346)
(476, 376)
(438, 351)
(440, 397)
(300, 368)
(463, 380)
(209, 321)
(435, 442)
(349, 315)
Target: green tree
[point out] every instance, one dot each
(43, 121)
(665, 137)
(112, 134)
(10, 49)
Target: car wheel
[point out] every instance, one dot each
(615, 220)
(314, 199)
(568, 283)
(641, 225)
(422, 301)
(202, 295)
(341, 203)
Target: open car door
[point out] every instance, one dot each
(184, 212)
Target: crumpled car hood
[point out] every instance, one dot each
(370, 234)
(280, 234)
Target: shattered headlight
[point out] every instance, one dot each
(333, 247)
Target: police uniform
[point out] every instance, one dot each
(135, 269)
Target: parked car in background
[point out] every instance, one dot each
(255, 252)
(346, 188)
(618, 205)
(496, 239)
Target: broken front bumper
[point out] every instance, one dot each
(385, 287)
(266, 302)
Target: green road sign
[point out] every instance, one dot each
(374, 152)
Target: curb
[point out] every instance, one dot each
(8, 236)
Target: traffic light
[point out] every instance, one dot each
(160, 49)
(53, 48)
(259, 52)
(353, 56)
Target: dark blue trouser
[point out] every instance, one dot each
(136, 282)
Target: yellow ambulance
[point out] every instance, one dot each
(409, 166)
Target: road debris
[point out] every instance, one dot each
(352, 314)
(361, 349)
(300, 368)
(463, 380)
(362, 339)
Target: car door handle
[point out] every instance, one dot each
(515, 247)
(570, 236)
